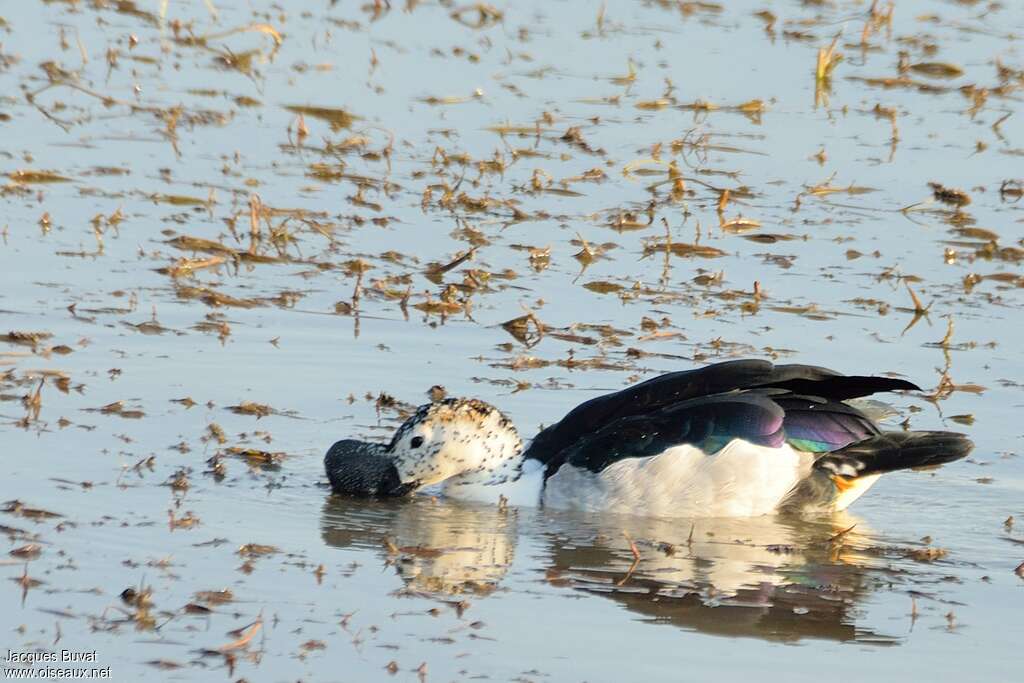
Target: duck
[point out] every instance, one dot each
(739, 438)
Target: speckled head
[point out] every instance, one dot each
(459, 441)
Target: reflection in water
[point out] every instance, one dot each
(766, 577)
(436, 547)
(772, 578)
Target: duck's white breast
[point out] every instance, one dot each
(741, 480)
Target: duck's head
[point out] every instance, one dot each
(362, 469)
(458, 441)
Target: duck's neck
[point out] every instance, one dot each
(519, 481)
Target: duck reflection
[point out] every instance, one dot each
(767, 577)
(771, 577)
(439, 548)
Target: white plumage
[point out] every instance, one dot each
(741, 480)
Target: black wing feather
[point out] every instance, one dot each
(662, 391)
(820, 424)
(843, 387)
(637, 410)
(751, 414)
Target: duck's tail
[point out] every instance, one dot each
(891, 451)
(839, 478)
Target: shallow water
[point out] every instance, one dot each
(384, 144)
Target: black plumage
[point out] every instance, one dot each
(734, 399)
(891, 451)
(695, 421)
(362, 469)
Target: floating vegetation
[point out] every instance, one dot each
(337, 119)
(29, 177)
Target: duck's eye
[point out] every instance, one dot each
(416, 442)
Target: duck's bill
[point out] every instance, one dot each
(403, 489)
(362, 469)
